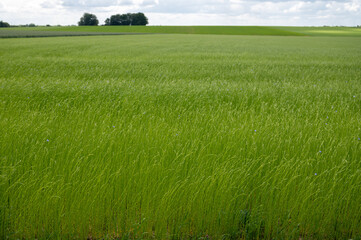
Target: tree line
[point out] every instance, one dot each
(4, 24)
(127, 19)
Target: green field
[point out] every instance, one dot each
(325, 31)
(213, 30)
(30, 33)
(175, 136)
(223, 30)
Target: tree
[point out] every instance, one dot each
(88, 19)
(4, 24)
(115, 20)
(107, 22)
(128, 19)
(139, 19)
(120, 19)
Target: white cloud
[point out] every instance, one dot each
(95, 3)
(149, 3)
(353, 6)
(188, 12)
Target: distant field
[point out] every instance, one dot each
(224, 30)
(28, 33)
(175, 136)
(325, 31)
(218, 30)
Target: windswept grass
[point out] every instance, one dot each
(180, 136)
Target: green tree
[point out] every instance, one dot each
(4, 24)
(120, 19)
(128, 19)
(88, 19)
(107, 22)
(115, 20)
(139, 19)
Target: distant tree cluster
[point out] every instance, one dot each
(88, 19)
(4, 24)
(25, 25)
(127, 19)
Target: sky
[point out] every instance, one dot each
(188, 12)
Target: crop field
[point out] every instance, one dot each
(212, 30)
(218, 30)
(30, 33)
(180, 136)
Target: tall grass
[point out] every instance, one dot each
(180, 136)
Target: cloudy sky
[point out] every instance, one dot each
(188, 12)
